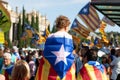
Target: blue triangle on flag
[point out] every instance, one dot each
(85, 9)
(75, 23)
(57, 44)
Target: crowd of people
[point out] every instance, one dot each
(18, 64)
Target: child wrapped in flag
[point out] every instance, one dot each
(58, 61)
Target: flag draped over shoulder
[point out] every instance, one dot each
(90, 17)
(58, 60)
(5, 22)
(79, 28)
(92, 72)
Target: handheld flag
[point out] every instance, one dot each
(5, 22)
(90, 17)
(29, 30)
(79, 28)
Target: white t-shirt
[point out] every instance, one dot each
(116, 68)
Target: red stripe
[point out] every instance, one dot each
(97, 73)
(40, 69)
(68, 75)
(92, 15)
(84, 74)
(52, 74)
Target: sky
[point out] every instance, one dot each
(53, 8)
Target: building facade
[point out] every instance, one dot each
(14, 15)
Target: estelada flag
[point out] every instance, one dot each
(89, 16)
(46, 72)
(5, 21)
(92, 72)
(79, 28)
(58, 59)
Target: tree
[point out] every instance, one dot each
(49, 28)
(19, 33)
(37, 24)
(54, 29)
(23, 19)
(27, 20)
(33, 22)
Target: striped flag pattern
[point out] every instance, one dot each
(89, 72)
(46, 72)
(80, 29)
(58, 60)
(91, 19)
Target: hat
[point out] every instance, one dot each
(100, 53)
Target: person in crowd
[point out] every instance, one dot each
(7, 66)
(82, 52)
(15, 52)
(113, 54)
(2, 77)
(92, 70)
(32, 66)
(115, 65)
(105, 62)
(78, 61)
(21, 71)
(1, 58)
(58, 64)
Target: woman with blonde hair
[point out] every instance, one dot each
(21, 71)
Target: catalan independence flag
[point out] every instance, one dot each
(91, 71)
(79, 28)
(58, 60)
(90, 17)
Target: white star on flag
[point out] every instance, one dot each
(85, 10)
(61, 55)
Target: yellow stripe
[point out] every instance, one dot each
(45, 70)
(57, 78)
(72, 71)
(79, 77)
(90, 71)
(104, 75)
(36, 77)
